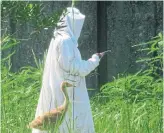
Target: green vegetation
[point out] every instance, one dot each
(30, 11)
(19, 93)
(130, 103)
(133, 103)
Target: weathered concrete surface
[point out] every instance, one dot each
(128, 23)
(30, 39)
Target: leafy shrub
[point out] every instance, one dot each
(154, 59)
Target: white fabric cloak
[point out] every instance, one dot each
(64, 63)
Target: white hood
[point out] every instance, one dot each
(71, 22)
(75, 21)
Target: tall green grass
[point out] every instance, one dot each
(133, 103)
(19, 93)
(128, 104)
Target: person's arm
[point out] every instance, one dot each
(74, 66)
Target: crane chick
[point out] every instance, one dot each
(54, 117)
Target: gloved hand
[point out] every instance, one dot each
(100, 55)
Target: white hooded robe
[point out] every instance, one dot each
(64, 63)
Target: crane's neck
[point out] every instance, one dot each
(66, 97)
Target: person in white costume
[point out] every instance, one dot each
(64, 63)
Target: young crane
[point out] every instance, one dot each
(53, 118)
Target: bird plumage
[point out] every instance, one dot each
(54, 117)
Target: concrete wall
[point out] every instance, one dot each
(130, 23)
(127, 23)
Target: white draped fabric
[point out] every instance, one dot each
(64, 63)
